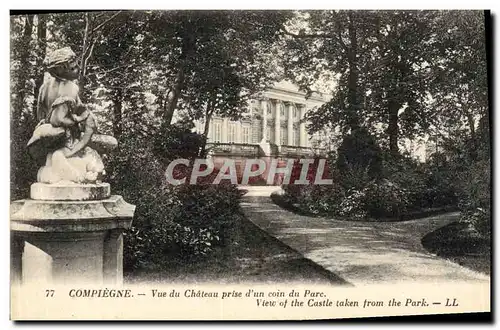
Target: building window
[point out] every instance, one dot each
(217, 132)
(268, 109)
(282, 110)
(283, 136)
(296, 137)
(246, 134)
(256, 131)
(231, 134)
(268, 133)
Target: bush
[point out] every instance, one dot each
(176, 142)
(181, 223)
(171, 223)
(385, 199)
(379, 199)
(320, 199)
(353, 205)
(359, 159)
(428, 185)
(166, 242)
(411, 176)
(371, 183)
(478, 220)
(475, 199)
(313, 198)
(211, 207)
(443, 185)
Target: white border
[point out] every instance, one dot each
(189, 4)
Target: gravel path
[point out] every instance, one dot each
(361, 252)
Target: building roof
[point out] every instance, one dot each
(286, 90)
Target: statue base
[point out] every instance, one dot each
(67, 234)
(70, 192)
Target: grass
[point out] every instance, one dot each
(250, 256)
(459, 244)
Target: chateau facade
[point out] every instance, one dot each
(271, 126)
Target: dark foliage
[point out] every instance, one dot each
(359, 159)
(171, 223)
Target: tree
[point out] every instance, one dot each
(212, 62)
(234, 64)
(460, 88)
(389, 69)
(329, 41)
(403, 50)
(22, 114)
(41, 52)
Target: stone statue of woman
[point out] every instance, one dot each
(65, 140)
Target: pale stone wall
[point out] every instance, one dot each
(274, 115)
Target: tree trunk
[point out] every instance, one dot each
(393, 129)
(117, 114)
(23, 70)
(188, 45)
(353, 90)
(23, 168)
(87, 49)
(176, 92)
(85, 44)
(208, 118)
(41, 53)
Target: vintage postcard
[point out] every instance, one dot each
(249, 164)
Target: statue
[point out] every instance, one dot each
(65, 140)
(69, 209)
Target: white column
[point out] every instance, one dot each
(263, 104)
(225, 128)
(277, 122)
(302, 127)
(210, 131)
(290, 124)
(239, 139)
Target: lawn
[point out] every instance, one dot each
(250, 256)
(459, 244)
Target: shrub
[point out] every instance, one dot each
(321, 199)
(411, 176)
(359, 159)
(379, 199)
(475, 199)
(353, 205)
(166, 242)
(171, 223)
(478, 219)
(174, 141)
(292, 192)
(385, 199)
(313, 198)
(208, 206)
(442, 186)
(180, 223)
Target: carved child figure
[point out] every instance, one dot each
(66, 127)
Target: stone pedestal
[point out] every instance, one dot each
(67, 234)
